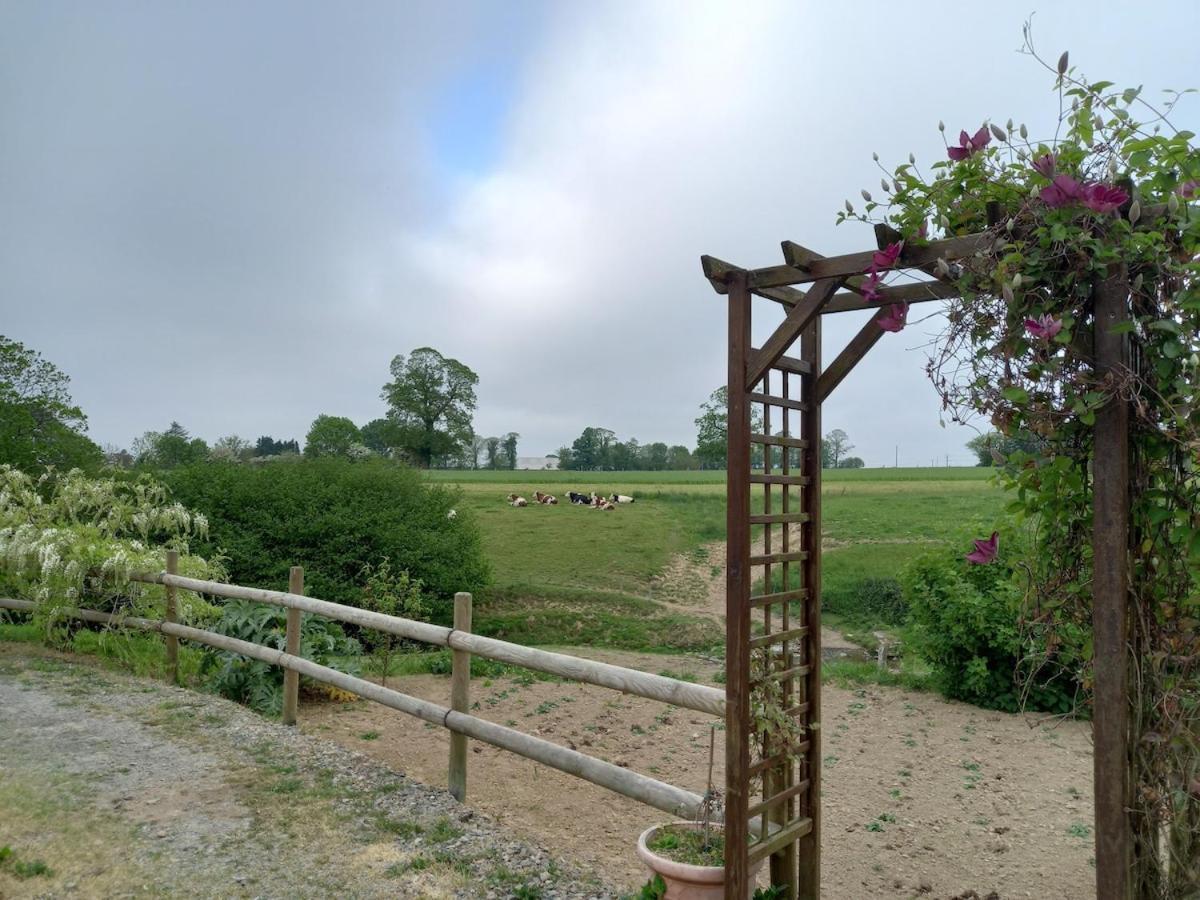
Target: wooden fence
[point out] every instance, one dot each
(660, 795)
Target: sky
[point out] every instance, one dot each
(235, 214)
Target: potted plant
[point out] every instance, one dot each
(687, 859)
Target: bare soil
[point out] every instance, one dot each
(922, 797)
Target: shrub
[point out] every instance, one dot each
(964, 620)
(334, 517)
(258, 684)
(868, 600)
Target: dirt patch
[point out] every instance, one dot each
(125, 787)
(922, 797)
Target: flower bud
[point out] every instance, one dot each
(1008, 226)
(912, 159)
(943, 222)
(1009, 126)
(865, 195)
(1137, 282)
(875, 156)
(1135, 211)
(1062, 63)
(1173, 203)
(849, 208)
(998, 132)
(895, 186)
(941, 125)
(1008, 294)
(1024, 132)
(943, 267)
(883, 184)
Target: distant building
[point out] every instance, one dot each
(549, 461)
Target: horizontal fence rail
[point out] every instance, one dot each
(660, 795)
(698, 697)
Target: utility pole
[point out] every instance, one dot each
(897, 456)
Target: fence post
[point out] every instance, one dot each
(460, 698)
(172, 616)
(291, 678)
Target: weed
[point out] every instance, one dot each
(369, 735)
(1079, 830)
(443, 831)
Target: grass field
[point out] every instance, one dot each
(592, 572)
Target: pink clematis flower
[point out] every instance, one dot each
(1103, 199)
(969, 144)
(895, 319)
(923, 230)
(886, 258)
(1188, 189)
(1063, 190)
(1044, 327)
(1044, 165)
(985, 551)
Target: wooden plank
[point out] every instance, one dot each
(798, 318)
(762, 478)
(737, 595)
(762, 765)
(784, 836)
(776, 799)
(460, 698)
(291, 679)
(717, 270)
(792, 671)
(916, 292)
(778, 440)
(777, 597)
(629, 681)
(772, 400)
(171, 614)
(856, 263)
(775, 518)
(1110, 604)
(867, 337)
(809, 846)
(768, 559)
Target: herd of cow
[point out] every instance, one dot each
(594, 500)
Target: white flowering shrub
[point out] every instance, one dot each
(72, 540)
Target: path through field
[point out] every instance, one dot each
(922, 797)
(125, 787)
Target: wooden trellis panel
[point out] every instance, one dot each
(773, 601)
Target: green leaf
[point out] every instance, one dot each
(1015, 395)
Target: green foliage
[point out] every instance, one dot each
(258, 684)
(70, 540)
(870, 601)
(994, 447)
(39, 424)
(23, 869)
(431, 398)
(169, 449)
(391, 593)
(334, 517)
(333, 436)
(964, 623)
(711, 430)
(693, 846)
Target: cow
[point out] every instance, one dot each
(514, 500)
(620, 498)
(545, 499)
(578, 499)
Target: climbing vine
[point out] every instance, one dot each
(1107, 196)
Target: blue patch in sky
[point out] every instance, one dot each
(469, 115)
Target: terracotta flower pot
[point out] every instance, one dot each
(683, 881)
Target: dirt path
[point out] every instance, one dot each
(124, 787)
(922, 797)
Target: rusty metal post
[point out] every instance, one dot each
(737, 596)
(1110, 603)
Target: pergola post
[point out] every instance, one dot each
(1110, 601)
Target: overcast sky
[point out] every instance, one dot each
(235, 214)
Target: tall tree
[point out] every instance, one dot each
(839, 445)
(268, 446)
(493, 452)
(680, 458)
(657, 456)
(331, 436)
(592, 449)
(510, 449)
(384, 436)
(433, 399)
(231, 448)
(170, 448)
(39, 424)
(712, 431)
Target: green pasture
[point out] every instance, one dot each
(571, 564)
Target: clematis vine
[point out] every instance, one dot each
(881, 260)
(985, 551)
(895, 319)
(1061, 191)
(1044, 165)
(968, 145)
(1064, 190)
(1044, 327)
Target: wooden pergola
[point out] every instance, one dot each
(773, 540)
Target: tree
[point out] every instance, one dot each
(331, 436)
(492, 446)
(170, 448)
(392, 593)
(432, 398)
(268, 446)
(384, 436)
(657, 456)
(680, 458)
(478, 447)
(851, 462)
(839, 445)
(510, 450)
(592, 449)
(994, 447)
(231, 448)
(39, 424)
(712, 430)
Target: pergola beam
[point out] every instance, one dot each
(799, 317)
